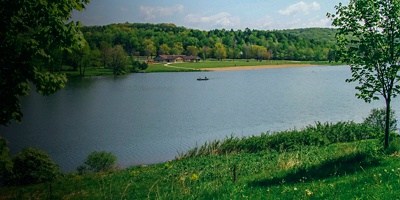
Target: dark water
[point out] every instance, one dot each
(149, 118)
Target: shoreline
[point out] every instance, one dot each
(257, 67)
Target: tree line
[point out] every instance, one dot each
(150, 40)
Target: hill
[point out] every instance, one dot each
(311, 44)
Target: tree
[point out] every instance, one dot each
(177, 49)
(79, 58)
(119, 60)
(149, 48)
(105, 49)
(192, 51)
(98, 161)
(220, 51)
(259, 52)
(30, 31)
(163, 49)
(33, 166)
(368, 40)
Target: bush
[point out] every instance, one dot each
(98, 161)
(33, 166)
(376, 119)
(5, 159)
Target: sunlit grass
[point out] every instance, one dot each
(355, 170)
(242, 62)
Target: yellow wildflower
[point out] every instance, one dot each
(194, 177)
(308, 192)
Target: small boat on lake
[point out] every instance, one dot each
(202, 79)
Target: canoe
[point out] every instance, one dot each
(202, 79)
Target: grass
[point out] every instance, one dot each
(333, 170)
(190, 67)
(243, 62)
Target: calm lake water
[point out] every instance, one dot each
(149, 118)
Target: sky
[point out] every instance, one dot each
(212, 14)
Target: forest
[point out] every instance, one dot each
(117, 45)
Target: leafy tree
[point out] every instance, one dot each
(105, 49)
(220, 51)
(177, 49)
(246, 50)
(259, 52)
(30, 31)
(164, 49)
(367, 36)
(98, 161)
(192, 51)
(206, 51)
(149, 48)
(119, 60)
(33, 166)
(79, 58)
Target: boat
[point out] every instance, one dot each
(202, 79)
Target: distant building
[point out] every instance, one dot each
(176, 58)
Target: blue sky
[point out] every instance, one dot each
(212, 14)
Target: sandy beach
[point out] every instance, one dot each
(256, 67)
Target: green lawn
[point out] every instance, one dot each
(231, 63)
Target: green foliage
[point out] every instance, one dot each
(377, 118)
(119, 60)
(33, 166)
(367, 38)
(321, 134)
(299, 44)
(139, 65)
(48, 83)
(394, 146)
(338, 171)
(5, 159)
(33, 33)
(98, 161)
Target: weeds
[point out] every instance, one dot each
(326, 161)
(321, 134)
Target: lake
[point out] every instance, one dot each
(149, 118)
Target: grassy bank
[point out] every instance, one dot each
(190, 67)
(342, 164)
(243, 62)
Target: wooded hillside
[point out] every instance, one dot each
(156, 39)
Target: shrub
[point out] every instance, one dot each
(98, 161)
(33, 166)
(376, 119)
(394, 146)
(5, 159)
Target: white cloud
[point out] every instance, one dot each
(222, 19)
(300, 7)
(154, 12)
(321, 22)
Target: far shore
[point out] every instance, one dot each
(256, 67)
